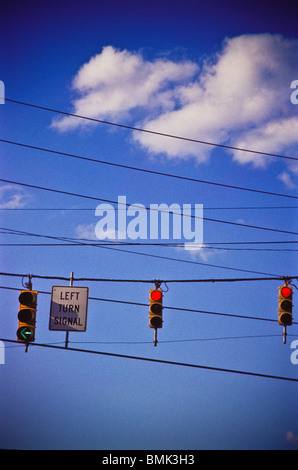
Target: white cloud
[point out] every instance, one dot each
(275, 135)
(86, 231)
(287, 180)
(239, 97)
(115, 82)
(12, 197)
(200, 251)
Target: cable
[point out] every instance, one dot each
(98, 245)
(116, 208)
(177, 245)
(82, 242)
(144, 207)
(275, 250)
(152, 132)
(193, 340)
(92, 242)
(152, 281)
(145, 170)
(9, 231)
(157, 361)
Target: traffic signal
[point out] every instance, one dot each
(285, 305)
(155, 308)
(27, 316)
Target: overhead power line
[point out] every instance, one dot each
(152, 281)
(138, 129)
(91, 209)
(170, 175)
(59, 191)
(76, 242)
(182, 340)
(157, 361)
(186, 340)
(111, 247)
(213, 245)
(83, 242)
(100, 245)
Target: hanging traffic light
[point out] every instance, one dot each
(27, 316)
(155, 308)
(285, 305)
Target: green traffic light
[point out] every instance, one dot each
(25, 333)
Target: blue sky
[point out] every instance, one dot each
(212, 71)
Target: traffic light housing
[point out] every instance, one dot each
(27, 316)
(285, 305)
(155, 308)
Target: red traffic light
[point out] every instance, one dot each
(155, 308)
(156, 295)
(286, 291)
(285, 305)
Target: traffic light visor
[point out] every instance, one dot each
(26, 298)
(156, 322)
(286, 319)
(156, 309)
(26, 315)
(156, 295)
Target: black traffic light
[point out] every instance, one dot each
(155, 308)
(285, 305)
(27, 316)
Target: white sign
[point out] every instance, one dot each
(69, 308)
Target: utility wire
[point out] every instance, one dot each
(146, 170)
(153, 281)
(18, 232)
(116, 208)
(157, 361)
(92, 242)
(189, 340)
(151, 132)
(275, 250)
(82, 242)
(59, 191)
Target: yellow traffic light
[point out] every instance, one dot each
(285, 305)
(155, 308)
(27, 316)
